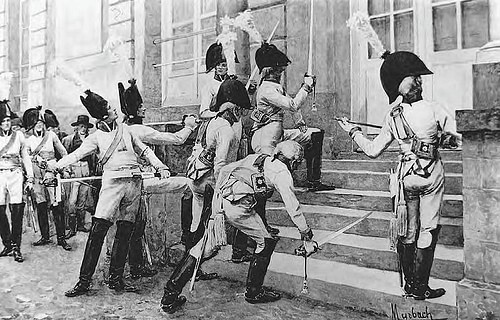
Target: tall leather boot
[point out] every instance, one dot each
(313, 157)
(136, 256)
(59, 221)
(256, 273)
(119, 253)
(71, 225)
(423, 265)
(186, 218)
(5, 233)
(240, 253)
(171, 300)
(406, 253)
(260, 208)
(43, 222)
(90, 256)
(17, 214)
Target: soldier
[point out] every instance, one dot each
(118, 149)
(239, 186)
(43, 145)
(132, 107)
(13, 157)
(272, 102)
(416, 125)
(79, 196)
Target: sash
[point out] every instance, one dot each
(9, 144)
(112, 147)
(42, 143)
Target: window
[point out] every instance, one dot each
(191, 30)
(393, 22)
(25, 53)
(455, 24)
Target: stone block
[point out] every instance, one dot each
(38, 21)
(477, 300)
(37, 55)
(486, 81)
(473, 145)
(492, 144)
(37, 38)
(490, 261)
(481, 215)
(121, 30)
(471, 173)
(37, 6)
(474, 260)
(478, 120)
(119, 12)
(490, 173)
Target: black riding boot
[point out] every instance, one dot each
(91, 256)
(256, 273)
(59, 221)
(136, 261)
(43, 222)
(186, 219)
(72, 226)
(17, 214)
(313, 155)
(406, 254)
(119, 253)
(240, 253)
(171, 300)
(423, 265)
(5, 233)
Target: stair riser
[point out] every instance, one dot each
(379, 166)
(451, 208)
(336, 294)
(373, 182)
(449, 235)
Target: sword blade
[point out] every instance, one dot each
(334, 235)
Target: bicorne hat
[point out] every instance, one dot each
(96, 105)
(268, 55)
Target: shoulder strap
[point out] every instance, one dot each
(401, 127)
(9, 143)
(112, 146)
(259, 162)
(42, 143)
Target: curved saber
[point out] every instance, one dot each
(335, 234)
(254, 72)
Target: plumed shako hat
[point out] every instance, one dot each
(130, 99)
(396, 67)
(96, 105)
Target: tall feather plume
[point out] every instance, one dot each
(62, 70)
(5, 83)
(361, 22)
(227, 39)
(245, 22)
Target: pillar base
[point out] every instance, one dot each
(478, 300)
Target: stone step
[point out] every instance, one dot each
(340, 284)
(369, 180)
(366, 200)
(372, 252)
(446, 155)
(376, 225)
(376, 165)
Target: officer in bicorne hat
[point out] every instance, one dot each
(43, 145)
(417, 125)
(80, 196)
(13, 159)
(132, 107)
(273, 102)
(118, 150)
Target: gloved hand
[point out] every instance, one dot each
(307, 248)
(164, 173)
(302, 126)
(28, 186)
(310, 80)
(306, 235)
(348, 127)
(189, 121)
(252, 87)
(49, 179)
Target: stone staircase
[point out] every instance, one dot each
(357, 270)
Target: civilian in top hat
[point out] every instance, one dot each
(118, 150)
(417, 125)
(43, 145)
(79, 196)
(272, 102)
(13, 159)
(133, 108)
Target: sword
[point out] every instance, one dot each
(360, 123)
(314, 108)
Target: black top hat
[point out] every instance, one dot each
(130, 99)
(397, 66)
(96, 105)
(268, 55)
(82, 119)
